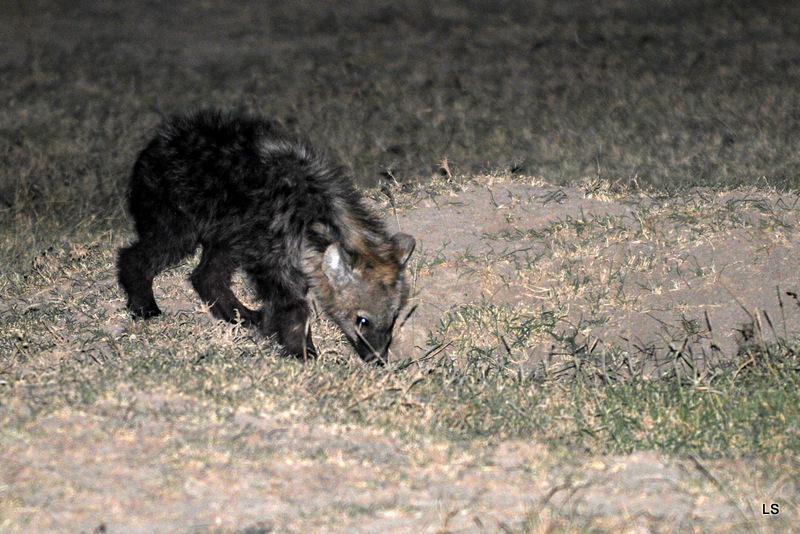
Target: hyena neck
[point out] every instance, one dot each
(336, 212)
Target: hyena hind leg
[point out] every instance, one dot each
(165, 238)
(212, 281)
(138, 265)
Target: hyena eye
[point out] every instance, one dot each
(362, 322)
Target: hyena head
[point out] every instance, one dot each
(365, 294)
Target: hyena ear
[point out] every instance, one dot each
(403, 247)
(336, 266)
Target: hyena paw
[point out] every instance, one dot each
(143, 311)
(296, 340)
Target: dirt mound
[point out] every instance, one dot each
(654, 277)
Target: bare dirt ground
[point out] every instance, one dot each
(82, 476)
(158, 461)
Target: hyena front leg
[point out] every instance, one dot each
(212, 281)
(285, 313)
(291, 322)
(286, 317)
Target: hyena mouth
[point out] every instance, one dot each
(368, 353)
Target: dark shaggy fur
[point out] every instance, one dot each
(260, 200)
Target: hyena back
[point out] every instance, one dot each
(257, 199)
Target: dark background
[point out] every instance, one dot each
(662, 94)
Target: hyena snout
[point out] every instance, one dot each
(369, 332)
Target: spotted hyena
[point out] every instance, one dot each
(262, 201)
